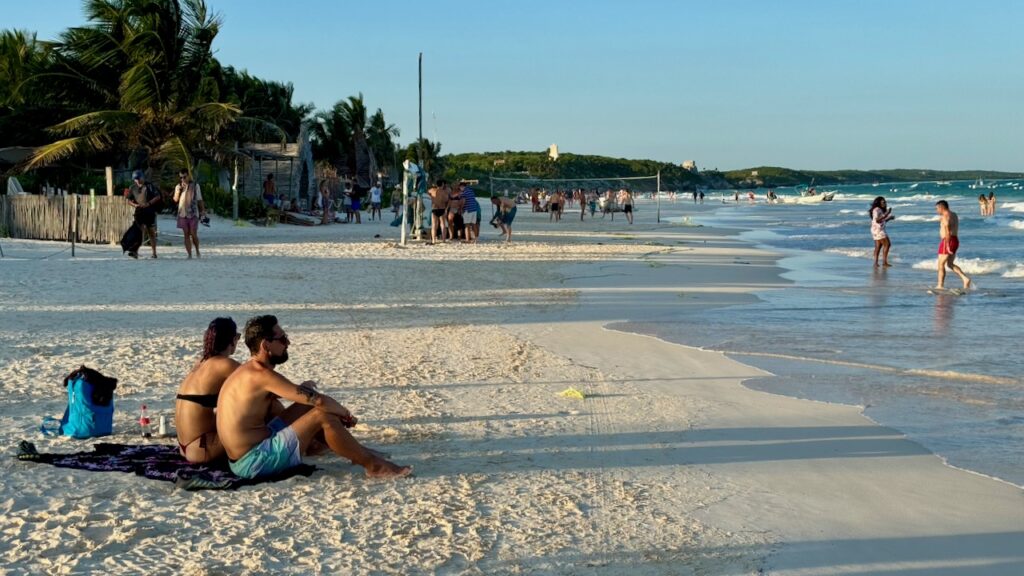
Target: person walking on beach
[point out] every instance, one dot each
(375, 197)
(438, 208)
(257, 448)
(194, 415)
(145, 198)
(506, 213)
(626, 199)
(880, 214)
(701, 195)
(191, 209)
(949, 243)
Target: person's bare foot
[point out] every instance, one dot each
(887, 265)
(381, 468)
(967, 284)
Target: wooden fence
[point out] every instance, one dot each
(100, 220)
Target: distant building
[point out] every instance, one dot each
(753, 173)
(690, 165)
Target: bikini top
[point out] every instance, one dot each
(204, 400)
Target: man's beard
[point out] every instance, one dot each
(278, 360)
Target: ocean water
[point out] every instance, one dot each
(946, 370)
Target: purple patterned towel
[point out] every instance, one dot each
(155, 461)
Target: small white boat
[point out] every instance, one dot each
(978, 184)
(816, 199)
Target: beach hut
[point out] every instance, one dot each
(290, 163)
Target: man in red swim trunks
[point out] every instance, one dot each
(949, 225)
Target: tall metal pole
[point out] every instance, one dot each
(658, 195)
(422, 161)
(405, 205)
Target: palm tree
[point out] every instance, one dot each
(427, 154)
(163, 108)
(381, 137)
(337, 132)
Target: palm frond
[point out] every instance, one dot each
(103, 121)
(61, 149)
(140, 88)
(256, 128)
(174, 151)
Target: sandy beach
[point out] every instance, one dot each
(454, 356)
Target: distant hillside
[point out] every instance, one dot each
(770, 176)
(673, 177)
(538, 165)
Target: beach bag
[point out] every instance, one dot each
(90, 410)
(131, 241)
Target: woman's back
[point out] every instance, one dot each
(197, 398)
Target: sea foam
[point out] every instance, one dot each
(968, 265)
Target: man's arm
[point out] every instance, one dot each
(307, 394)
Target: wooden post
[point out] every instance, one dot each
(74, 222)
(110, 180)
(234, 194)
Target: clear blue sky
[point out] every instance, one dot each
(730, 84)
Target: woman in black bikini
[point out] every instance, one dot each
(194, 414)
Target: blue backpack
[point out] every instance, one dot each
(90, 410)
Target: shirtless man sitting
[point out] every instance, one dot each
(949, 242)
(258, 448)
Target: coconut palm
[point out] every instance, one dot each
(381, 137)
(163, 108)
(337, 133)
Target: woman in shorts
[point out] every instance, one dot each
(190, 209)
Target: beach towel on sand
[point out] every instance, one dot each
(154, 461)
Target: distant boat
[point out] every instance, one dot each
(817, 198)
(875, 184)
(943, 183)
(914, 185)
(978, 184)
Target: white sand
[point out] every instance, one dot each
(453, 356)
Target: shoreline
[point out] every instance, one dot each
(455, 357)
(814, 270)
(915, 449)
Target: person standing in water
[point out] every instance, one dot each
(949, 243)
(880, 214)
(991, 203)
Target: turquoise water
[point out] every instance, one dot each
(946, 370)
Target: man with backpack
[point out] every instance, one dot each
(145, 198)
